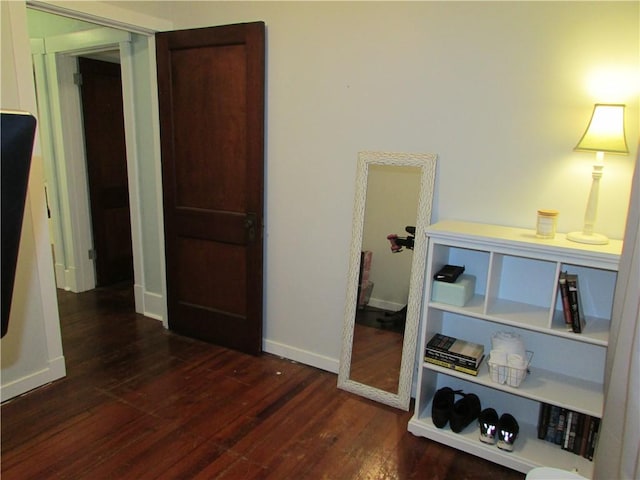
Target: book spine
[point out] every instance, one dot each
(594, 440)
(585, 435)
(452, 358)
(554, 416)
(543, 420)
(577, 442)
(567, 431)
(574, 301)
(562, 424)
(452, 366)
(566, 306)
(571, 429)
(438, 356)
(592, 425)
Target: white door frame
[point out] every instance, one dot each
(109, 16)
(60, 115)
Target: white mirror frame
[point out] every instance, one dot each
(427, 163)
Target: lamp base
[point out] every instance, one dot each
(592, 239)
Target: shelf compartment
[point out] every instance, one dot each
(476, 263)
(596, 286)
(542, 386)
(474, 307)
(504, 312)
(523, 288)
(596, 331)
(530, 317)
(518, 314)
(529, 452)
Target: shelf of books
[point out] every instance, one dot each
(551, 299)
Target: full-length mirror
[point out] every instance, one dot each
(394, 193)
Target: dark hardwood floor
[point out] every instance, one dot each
(139, 402)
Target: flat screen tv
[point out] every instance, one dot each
(17, 131)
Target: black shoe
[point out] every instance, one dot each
(507, 432)
(488, 421)
(465, 411)
(442, 406)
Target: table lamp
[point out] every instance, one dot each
(605, 134)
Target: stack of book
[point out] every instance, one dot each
(571, 304)
(453, 353)
(573, 431)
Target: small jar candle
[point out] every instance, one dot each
(546, 225)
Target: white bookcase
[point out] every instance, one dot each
(516, 290)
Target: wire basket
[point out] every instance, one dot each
(505, 374)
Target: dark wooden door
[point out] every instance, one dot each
(103, 119)
(211, 96)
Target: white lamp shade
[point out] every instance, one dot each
(605, 132)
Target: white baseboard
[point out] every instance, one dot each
(385, 305)
(138, 296)
(54, 371)
(60, 276)
(70, 280)
(153, 304)
(302, 356)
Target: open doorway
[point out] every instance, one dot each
(58, 43)
(106, 158)
(62, 131)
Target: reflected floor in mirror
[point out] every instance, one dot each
(377, 349)
(140, 402)
(382, 319)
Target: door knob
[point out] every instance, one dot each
(250, 226)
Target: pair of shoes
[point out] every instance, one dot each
(445, 409)
(505, 430)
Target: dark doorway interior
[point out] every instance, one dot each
(103, 120)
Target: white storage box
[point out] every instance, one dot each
(457, 293)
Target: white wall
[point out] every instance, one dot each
(501, 91)
(32, 348)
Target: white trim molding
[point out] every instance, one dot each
(305, 357)
(54, 370)
(102, 13)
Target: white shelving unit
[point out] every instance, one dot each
(516, 290)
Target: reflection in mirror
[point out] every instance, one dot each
(391, 204)
(394, 194)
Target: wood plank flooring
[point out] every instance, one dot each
(139, 402)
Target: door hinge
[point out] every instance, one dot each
(77, 79)
(92, 254)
